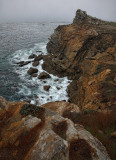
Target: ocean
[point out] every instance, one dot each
(17, 42)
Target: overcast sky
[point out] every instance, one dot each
(55, 10)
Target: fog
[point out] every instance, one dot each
(55, 10)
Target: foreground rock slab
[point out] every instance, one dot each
(30, 132)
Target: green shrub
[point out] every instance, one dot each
(98, 69)
(30, 109)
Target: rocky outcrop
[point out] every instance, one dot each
(30, 132)
(46, 88)
(32, 56)
(82, 18)
(23, 63)
(85, 52)
(38, 58)
(36, 63)
(44, 75)
(32, 71)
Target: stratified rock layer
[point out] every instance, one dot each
(85, 51)
(29, 132)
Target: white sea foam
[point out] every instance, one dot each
(32, 86)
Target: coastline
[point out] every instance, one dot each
(82, 128)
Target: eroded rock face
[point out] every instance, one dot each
(85, 52)
(30, 132)
(82, 18)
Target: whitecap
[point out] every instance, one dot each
(34, 87)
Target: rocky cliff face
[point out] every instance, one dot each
(82, 18)
(85, 51)
(29, 132)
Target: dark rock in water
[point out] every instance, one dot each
(32, 71)
(56, 80)
(44, 81)
(32, 56)
(36, 63)
(44, 75)
(38, 51)
(38, 58)
(23, 63)
(34, 75)
(58, 88)
(46, 88)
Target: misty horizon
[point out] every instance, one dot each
(54, 10)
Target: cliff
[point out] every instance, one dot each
(30, 132)
(85, 51)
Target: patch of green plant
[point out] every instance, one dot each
(107, 124)
(89, 129)
(60, 129)
(112, 23)
(108, 131)
(63, 136)
(101, 84)
(108, 91)
(30, 109)
(26, 133)
(32, 139)
(98, 69)
(89, 111)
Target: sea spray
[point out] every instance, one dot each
(32, 88)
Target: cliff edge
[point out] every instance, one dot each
(85, 51)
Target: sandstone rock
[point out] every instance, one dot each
(55, 147)
(32, 71)
(31, 122)
(36, 63)
(61, 107)
(32, 56)
(44, 75)
(33, 133)
(46, 88)
(3, 103)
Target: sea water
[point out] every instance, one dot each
(17, 42)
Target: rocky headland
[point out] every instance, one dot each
(85, 52)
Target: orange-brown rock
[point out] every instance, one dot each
(85, 51)
(30, 132)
